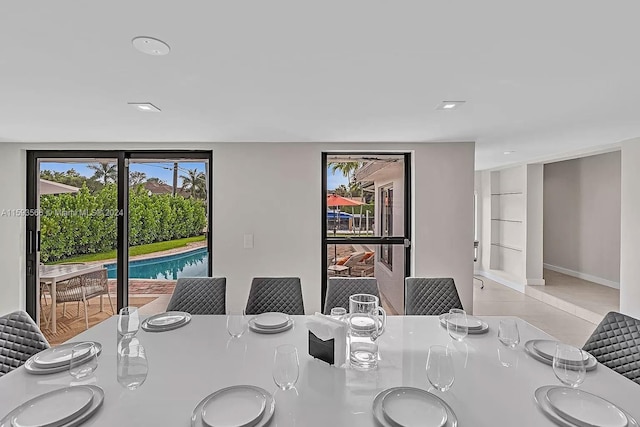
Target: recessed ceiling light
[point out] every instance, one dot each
(449, 105)
(145, 106)
(151, 46)
(506, 153)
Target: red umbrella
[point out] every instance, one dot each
(335, 200)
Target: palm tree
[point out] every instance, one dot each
(105, 172)
(195, 182)
(136, 178)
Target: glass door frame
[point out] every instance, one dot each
(393, 240)
(32, 247)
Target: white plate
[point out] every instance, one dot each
(412, 407)
(540, 396)
(149, 328)
(547, 348)
(592, 363)
(31, 367)
(585, 409)
(96, 403)
(271, 320)
(471, 322)
(380, 420)
(484, 328)
(267, 414)
(238, 406)
(259, 330)
(169, 318)
(56, 356)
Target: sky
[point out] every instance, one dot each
(161, 170)
(164, 171)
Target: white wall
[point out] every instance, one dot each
(630, 229)
(286, 234)
(582, 217)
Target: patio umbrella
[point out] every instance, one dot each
(336, 201)
(50, 187)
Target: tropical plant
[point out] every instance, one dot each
(73, 178)
(195, 183)
(136, 178)
(104, 171)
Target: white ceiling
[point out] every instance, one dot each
(542, 78)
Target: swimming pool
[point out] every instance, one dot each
(169, 267)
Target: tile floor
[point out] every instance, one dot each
(498, 300)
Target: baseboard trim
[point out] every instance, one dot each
(500, 279)
(535, 282)
(583, 276)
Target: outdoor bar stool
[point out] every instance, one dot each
(430, 296)
(340, 289)
(280, 294)
(199, 295)
(20, 338)
(616, 344)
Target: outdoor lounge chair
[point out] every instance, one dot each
(20, 338)
(81, 289)
(338, 269)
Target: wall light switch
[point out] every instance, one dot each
(248, 241)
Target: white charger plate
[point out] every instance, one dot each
(96, 403)
(413, 407)
(585, 409)
(378, 415)
(57, 356)
(472, 331)
(540, 396)
(271, 320)
(267, 414)
(547, 348)
(31, 367)
(260, 330)
(237, 406)
(168, 318)
(592, 363)
(169, 327)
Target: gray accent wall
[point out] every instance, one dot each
(582, 217)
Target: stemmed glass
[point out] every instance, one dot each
(569, 365)
(132, 364)
(440, 367)
(457, 324)
(84, 360)
(508, 333)
(236, 323)
(128, 322)
(286, 366)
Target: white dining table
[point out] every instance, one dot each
(189, 363)
(55, 273)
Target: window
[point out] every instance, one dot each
(386, 224)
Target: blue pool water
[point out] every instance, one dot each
(170, 267)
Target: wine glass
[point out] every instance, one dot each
(508, 333)
(132, 365)
(457, 325)
(84, 360)
(440, 367)
(128, 322)
(286, 366)
(569, 365)
(236, 323)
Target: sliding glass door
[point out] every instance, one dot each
(107, 229)
(366, 221)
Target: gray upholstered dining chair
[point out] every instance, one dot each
(430, 296)
(616, 344)
(281, 294)
(340, 289)
(20, 338)
(199, 295)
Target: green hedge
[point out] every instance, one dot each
(85, 223)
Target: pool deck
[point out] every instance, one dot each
(188, 248)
